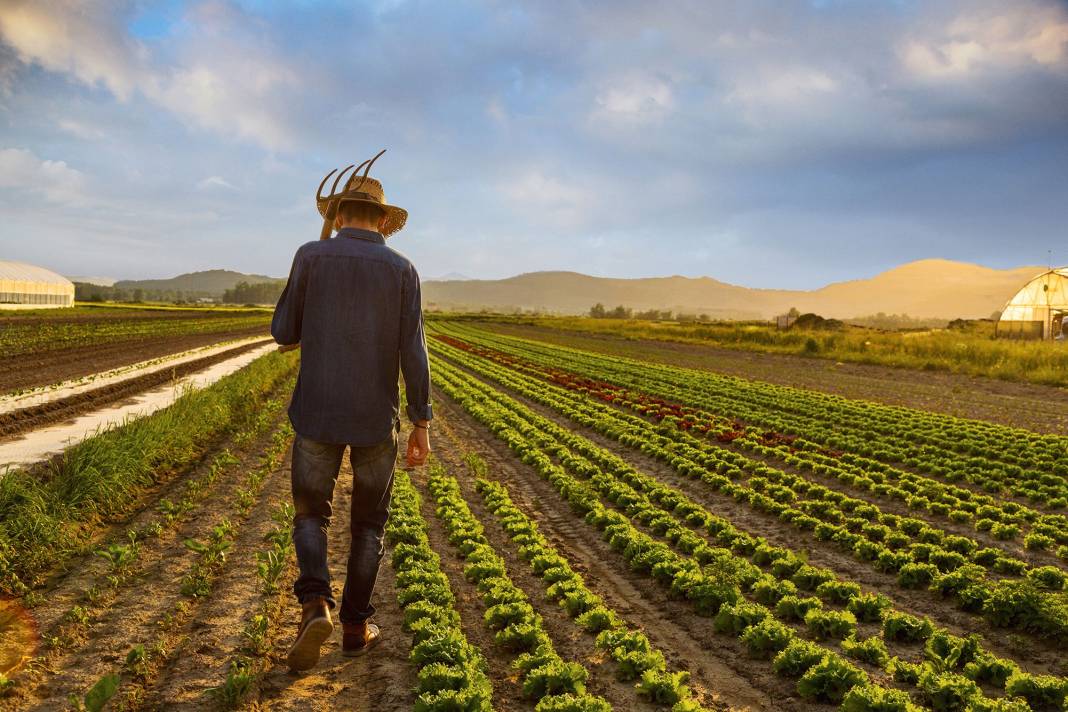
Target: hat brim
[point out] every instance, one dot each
(395, 216)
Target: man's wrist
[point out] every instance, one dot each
(424, 424)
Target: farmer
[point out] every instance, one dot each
(352, 305)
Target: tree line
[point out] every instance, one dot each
(599, 311)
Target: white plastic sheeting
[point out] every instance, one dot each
(1039, 310)
(40, 444)
(25, 286)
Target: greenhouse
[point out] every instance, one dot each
(24, 286)
(1039, 309)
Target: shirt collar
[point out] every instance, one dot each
(361, 234)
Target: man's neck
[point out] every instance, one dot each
(353, 226)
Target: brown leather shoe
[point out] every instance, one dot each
(315, 627)
(358, 638)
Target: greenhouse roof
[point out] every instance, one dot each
(22, 272)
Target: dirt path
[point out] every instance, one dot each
(139, 612)
(382, 680)
(718, 664)
(214, 636)
(1035, 407)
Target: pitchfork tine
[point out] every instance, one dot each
(367, 169)
(319, 193)
(337, 180)
(348, 183)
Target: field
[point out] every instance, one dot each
(971, 349)
(600, 527)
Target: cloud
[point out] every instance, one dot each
(215, 182)
(81, 130)
(990, 39)
(79, 37)
(236, 87)
(609, 136)
(24, 173)
(550, 199)
(639, 99)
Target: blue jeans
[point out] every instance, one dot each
(314, 472)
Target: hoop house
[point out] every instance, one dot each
(24, 286)
(1039, 309)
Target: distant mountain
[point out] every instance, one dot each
(450, 277)
(927, 289)
(211, 283)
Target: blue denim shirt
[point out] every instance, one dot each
(353, 305)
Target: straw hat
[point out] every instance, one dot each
(358, 189)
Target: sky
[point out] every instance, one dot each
(770, 144)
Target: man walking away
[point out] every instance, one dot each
(352, 304)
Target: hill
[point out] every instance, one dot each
(211, 283)
(927, 288)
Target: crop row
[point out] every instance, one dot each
(46, 517)
(950, 565)
(452, 672)
(523, 430)
(713, 585)
(676, 445)
(21, 339)
(992, 456)
(146, 659)
(1004, 520)
(549, 680)
(248, 664)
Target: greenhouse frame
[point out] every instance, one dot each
(1039, 310)
(25, 286)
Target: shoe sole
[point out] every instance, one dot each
(305, 652)
(361, 651)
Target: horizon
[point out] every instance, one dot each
(794, 144)
(449, 277)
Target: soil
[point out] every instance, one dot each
(1035, 654)
(381, 680)
(205, 635)
(720, 669)
(63, 409)
(48, 367)
(1035, 407)
(129, 614)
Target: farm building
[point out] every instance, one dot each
(1039, 309)
(24, 286)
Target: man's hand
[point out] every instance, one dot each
(418, 443)
(288, 347)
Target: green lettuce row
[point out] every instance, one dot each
(546, 678)
(791, 569)
(937, 497)
(983, 512)
(634, 655)
(452, 672)
(993, 456)
(713, 590)
(1007, 604)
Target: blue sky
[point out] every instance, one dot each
(762, 143)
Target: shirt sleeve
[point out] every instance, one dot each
(413, 357)
(285, 326)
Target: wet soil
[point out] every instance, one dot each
(47, 367)
(26, 419)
